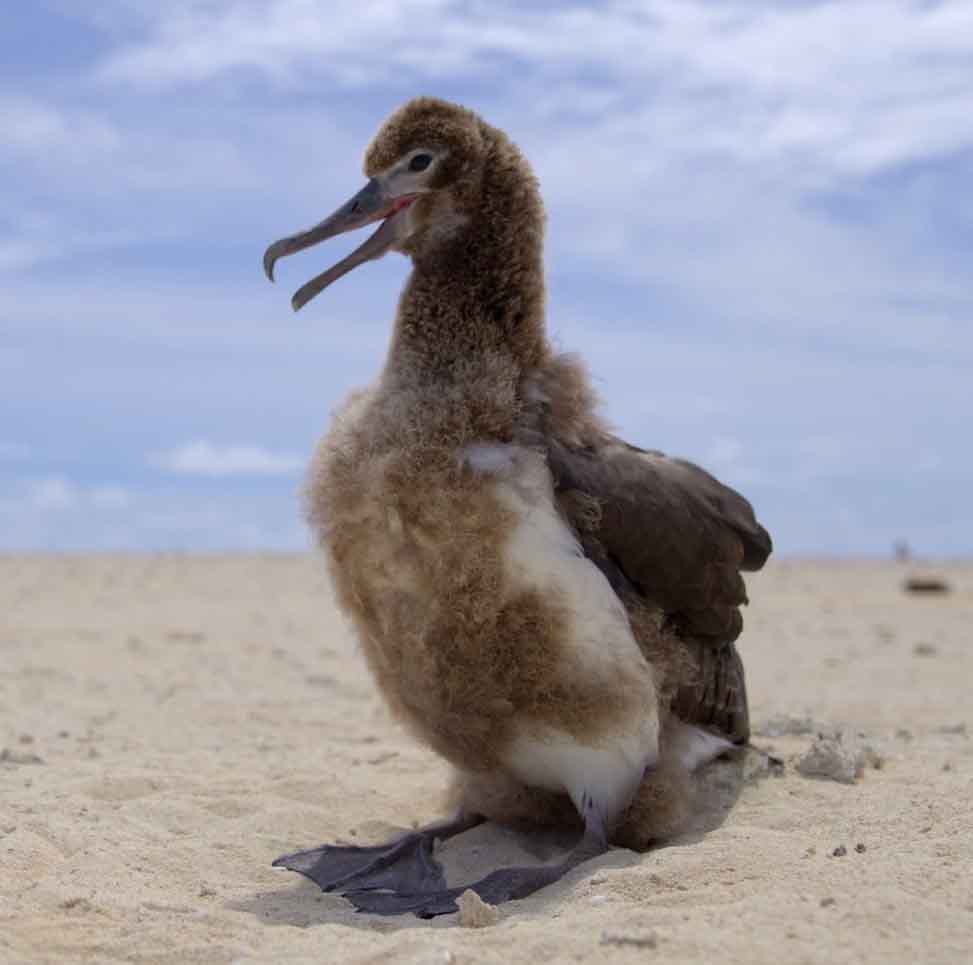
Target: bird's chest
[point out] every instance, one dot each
(404, 531)
(472, 601)
(404, 516)
(418, 542)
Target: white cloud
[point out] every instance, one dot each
(678, 143)
(61, 142)
(103, 179)
(704, 125)
(58, 494)
(37, 244)
(201, 458)
(34, 128)
(845, 87)
(54, 494)
(61, 515)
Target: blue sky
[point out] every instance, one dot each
(760, 226)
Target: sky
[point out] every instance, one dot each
(760, 223)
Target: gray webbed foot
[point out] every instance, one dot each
(506, 884)
(403, 876)
(406, 865)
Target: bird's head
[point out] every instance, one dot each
(424, 171)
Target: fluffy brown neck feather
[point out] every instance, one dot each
(478, 291)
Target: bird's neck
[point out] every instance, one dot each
(476, 295)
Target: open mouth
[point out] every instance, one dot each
(402, 203)
(371, 204)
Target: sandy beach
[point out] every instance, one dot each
(169, 725)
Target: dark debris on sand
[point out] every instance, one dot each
(926, 585)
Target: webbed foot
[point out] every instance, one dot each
(505, 884)
(404, 865)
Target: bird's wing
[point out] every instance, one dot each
(671, 533)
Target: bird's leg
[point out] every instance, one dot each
(405, 864)
(505, 884)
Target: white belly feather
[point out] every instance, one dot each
(543, 553)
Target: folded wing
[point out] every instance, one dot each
(668, 531)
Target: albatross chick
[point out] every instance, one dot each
(549, 608)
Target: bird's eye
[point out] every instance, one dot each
(420, 162)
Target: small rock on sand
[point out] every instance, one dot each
(836, 758)
(474, 912)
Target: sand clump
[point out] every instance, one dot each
(834, 757)
(474, 912)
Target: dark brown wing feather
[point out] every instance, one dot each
(673, 534)
(716, 696)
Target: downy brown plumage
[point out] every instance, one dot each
(549, 608)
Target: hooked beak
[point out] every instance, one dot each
(372, 203)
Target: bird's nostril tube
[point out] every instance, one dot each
(355, 205)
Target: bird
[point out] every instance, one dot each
(551, 609)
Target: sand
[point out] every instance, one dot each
(169, 725)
